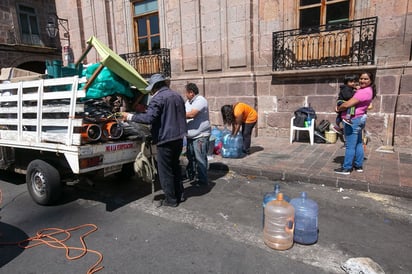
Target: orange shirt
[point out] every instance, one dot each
(248, 113)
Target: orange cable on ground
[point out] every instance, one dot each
(49, 237)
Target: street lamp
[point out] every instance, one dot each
(52, 29)
(53, 24)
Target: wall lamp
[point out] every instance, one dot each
(53, 24)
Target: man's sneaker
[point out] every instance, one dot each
(337, 129)
(201, 184)
(358, 169)
(342, 171)
(182, 198)
(347, 121)
(164, 202)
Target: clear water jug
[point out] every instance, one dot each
(279, 224)
(270, 196)
(306, 219)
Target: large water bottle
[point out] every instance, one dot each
(217, 134)
(270, 196)
(279, 224)
(226, 131)
(238, 146)
(232, 146)
(306, 219)
(227, 148)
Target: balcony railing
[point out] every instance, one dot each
(350, 43)
(150, 62)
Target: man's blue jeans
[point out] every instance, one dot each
(196, 153)
(354, 153)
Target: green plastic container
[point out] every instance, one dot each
(54, 68)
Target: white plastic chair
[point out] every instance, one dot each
(310, 129)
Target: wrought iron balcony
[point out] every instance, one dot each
(150, 62)
(350, 43)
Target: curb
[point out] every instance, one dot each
(346, 183)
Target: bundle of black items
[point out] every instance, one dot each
(136, 130)
(323, 126)
(303, 114)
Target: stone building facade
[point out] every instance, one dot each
(25, 44)
(226, 48)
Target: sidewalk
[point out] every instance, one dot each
(277, 159)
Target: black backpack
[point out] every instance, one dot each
(302, 114)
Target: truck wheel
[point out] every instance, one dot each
(43, 182)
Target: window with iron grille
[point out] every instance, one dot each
(149, 58)
(327, 36)
(350, 43)
(29, 27)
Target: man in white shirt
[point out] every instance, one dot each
(198, 125)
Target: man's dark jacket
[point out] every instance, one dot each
(167, 115)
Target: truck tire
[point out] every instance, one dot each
(43, 182)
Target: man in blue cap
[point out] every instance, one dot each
(167, 115)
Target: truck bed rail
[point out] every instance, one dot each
(42, 111)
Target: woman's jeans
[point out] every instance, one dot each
(196, 153)
(354, 153)
(247, 136)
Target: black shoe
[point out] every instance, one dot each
(358, 169)
(342, 171)
(165, 203)
(201, 184)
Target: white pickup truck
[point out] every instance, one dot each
(44, 135)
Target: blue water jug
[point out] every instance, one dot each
(238, 146)
(232, 146)
(270, 196)
(306, 219)
(217, 133)
(226, 131)
(227, 148)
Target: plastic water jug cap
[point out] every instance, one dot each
(279, 197)
(303, 195)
